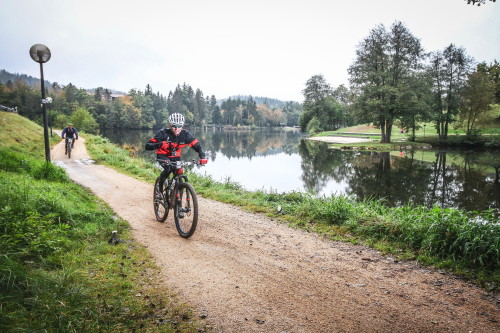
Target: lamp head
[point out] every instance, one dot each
(40, 53)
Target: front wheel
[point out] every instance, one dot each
(68, 148)
(160, 203)
(186, 210)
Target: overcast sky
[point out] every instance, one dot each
(264, 48)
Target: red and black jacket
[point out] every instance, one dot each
(169, 146)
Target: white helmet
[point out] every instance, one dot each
(176, 119)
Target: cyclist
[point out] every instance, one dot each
(70, 132)
(169, 142)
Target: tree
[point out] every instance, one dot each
(418, 106)
(493, 72)
(449, 70)
(216, 115)
(160, 111)
(383, 74)
(478, 96)
(342, 94)
(201, 108)
(292, 110)
(345, 97)
(148, 91)
(478, 2)
(212, 105)
(251, 111)
(144, 106)
(263, 112)
(335, 116)
(314, 126)
(315, 94)
(98, 94)
(83, 121)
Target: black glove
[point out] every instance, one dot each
(158, 145)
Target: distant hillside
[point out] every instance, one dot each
(34, 82)
(31, 81)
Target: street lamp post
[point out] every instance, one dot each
(41, 54)
(48, 100)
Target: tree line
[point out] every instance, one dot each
(393, 81)
(89, 110)
(100, 108)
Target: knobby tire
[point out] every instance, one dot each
(160, 202)
(186, 210)
(68, 149)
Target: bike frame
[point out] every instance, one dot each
(176, 194)
(69, 142)
(177, 177)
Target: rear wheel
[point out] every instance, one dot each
(160, 203)
(186, 210)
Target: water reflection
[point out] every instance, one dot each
(283, 161)
(466, 180)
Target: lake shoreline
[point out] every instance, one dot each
(339, 139)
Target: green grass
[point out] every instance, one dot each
(446, 238)
(425, 137)
(106, 153)
(58, 273)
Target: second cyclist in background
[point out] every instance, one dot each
(69, 132)
(169, 142)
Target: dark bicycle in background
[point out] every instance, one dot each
(179, 195)
(69, 146)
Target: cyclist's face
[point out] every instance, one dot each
(176, 130)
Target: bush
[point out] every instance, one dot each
(314, 126)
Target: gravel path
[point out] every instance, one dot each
(248, 273)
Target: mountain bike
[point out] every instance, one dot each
(179, 195)
(69, 146)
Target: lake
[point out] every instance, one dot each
(282, 160)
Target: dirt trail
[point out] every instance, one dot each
(248, 273)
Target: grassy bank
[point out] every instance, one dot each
(486, 136)
(58, 272)
(465, 243)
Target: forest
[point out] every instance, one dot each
(104, 108)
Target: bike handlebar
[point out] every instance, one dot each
(178, 164)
